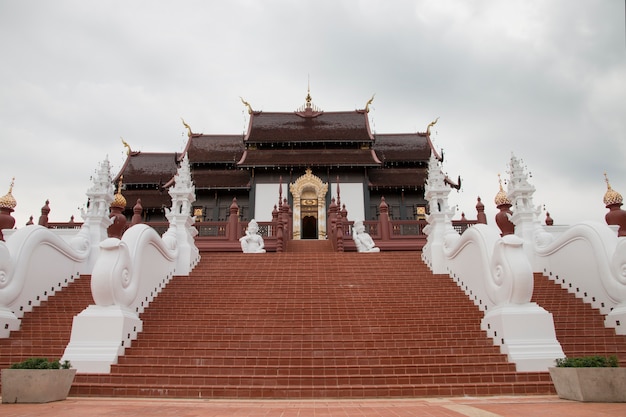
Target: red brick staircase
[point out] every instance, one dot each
(579, 327)
(309, 325)
(45, 331)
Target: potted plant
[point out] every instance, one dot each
(37, 380)
(589, 378)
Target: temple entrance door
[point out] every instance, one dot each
(309, 207)
(309, 227)
(308, 210)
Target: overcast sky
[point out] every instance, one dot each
(545, 80)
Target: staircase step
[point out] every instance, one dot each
(310, 324)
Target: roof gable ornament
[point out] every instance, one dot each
(129, 151)
(367, 105)
(248, 106)
(308, 109)
(127, 146)
(189, 132)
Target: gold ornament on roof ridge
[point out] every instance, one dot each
(7, 200)
(245, 103)
(431, 124)
(187, 126)
(367, 105)
(611, 196)
(126, 145)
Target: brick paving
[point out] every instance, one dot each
(503, 406)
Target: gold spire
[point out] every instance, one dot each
(8, 201)
(431, 124)
(367, 105)
(611, 196)
(187, 126)
(309, 100)
(501, 197)
(308, 108)
(119, 200)
(245, 103)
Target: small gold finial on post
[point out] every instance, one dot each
(606, 179)
(367, 105)
(245, 103)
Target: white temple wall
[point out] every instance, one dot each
(265, 198)
(352, 196)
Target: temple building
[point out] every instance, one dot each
(303, 155)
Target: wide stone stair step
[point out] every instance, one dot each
(579, 327)
(308, 325)
(311, 325)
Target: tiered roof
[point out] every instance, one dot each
(307, 137)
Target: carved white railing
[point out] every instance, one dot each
(34, 264)
(589, 260)
(127, 276)
(496, 275)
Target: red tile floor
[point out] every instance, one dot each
(529, 406)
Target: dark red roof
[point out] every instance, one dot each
(398, 177)
(221, 179)
(149, 168)
(309, 157)
(215, 148)
(402, 147)
(149, 198)
(349, 126)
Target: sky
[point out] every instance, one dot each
(543, 80)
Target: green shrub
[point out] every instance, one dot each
(41, 363)
(588, 362)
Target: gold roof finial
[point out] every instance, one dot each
(8, 201)
(367, 105)
(431, 124)
(611, 196)
(245, 103)
(126, 145)
(187, 126)
(309, 100)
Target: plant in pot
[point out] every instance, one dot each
(589, 378)
(37, 380)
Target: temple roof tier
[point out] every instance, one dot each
(405, 177)
(149, 168)
(275, 127)
(309, 157)
(402, 147)
(149, 198)
(221, 179)
(215, 148)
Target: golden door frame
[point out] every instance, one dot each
(309, 199)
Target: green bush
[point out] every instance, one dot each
(41, 363)
(588, 362)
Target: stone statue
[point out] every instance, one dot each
(252, 242)
(362, 239)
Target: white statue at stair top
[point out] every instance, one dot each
(252, 242)
(362, 239)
